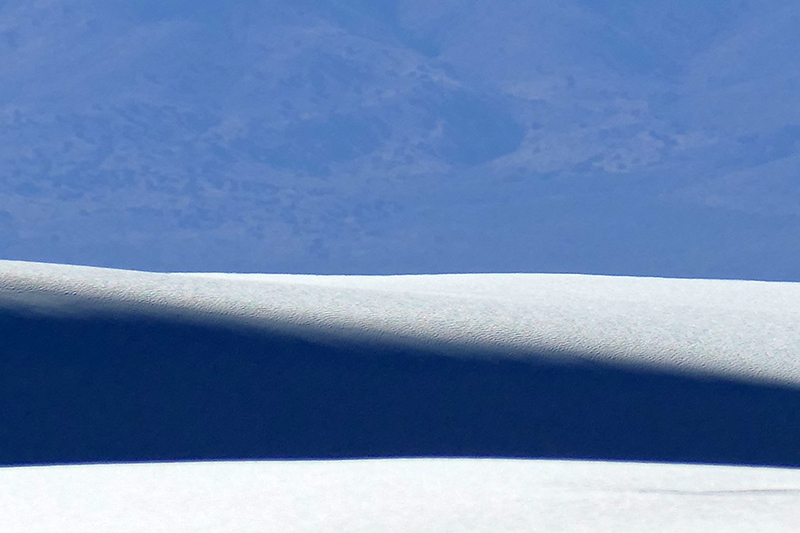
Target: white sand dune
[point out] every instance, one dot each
(426, 495)
(739, 329)
(241, 372)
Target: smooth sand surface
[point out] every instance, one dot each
(425, 495)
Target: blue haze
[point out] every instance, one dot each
(332, 136)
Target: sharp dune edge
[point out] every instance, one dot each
(459, 372)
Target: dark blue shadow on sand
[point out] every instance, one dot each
(133, 389)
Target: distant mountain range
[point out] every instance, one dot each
(354, 136)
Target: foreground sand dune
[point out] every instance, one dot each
(376, 496)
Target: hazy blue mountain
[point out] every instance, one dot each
(621, 137)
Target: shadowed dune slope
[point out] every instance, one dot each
(113, 366)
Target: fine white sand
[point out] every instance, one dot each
(374, 496)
